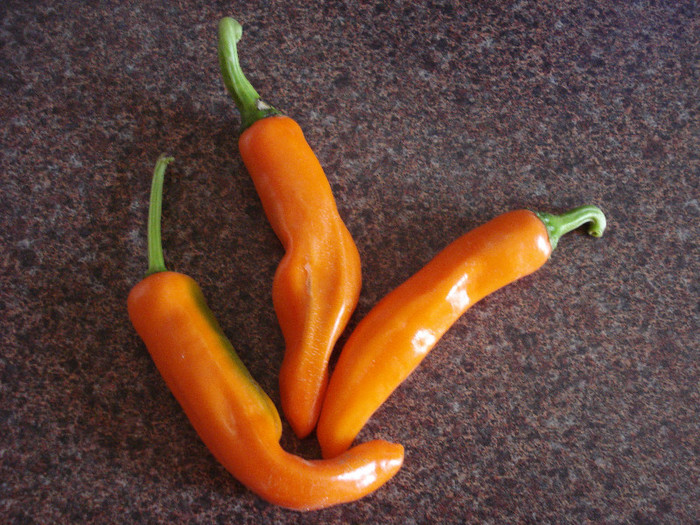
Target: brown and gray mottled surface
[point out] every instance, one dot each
(568, 397)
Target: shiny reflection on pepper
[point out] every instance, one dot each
(423, 341)
(458, 296)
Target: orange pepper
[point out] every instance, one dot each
(317, 283)
(397, 334)
(233, 416)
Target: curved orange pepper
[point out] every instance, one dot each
(233, 416)
(317, 283)
(397, 334)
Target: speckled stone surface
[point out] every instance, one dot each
(570, 396)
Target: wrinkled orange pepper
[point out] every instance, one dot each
(395, 336)
(317, 283)
(233, 416)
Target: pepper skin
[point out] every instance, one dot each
(317, 283)
(395, 336)
(233, 416)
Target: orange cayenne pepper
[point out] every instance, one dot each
(395, 336)
(317, 283)
(233, 416)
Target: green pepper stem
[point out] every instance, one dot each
(558, 225)
(249, 103)
(156, 263)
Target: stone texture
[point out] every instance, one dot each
(568, 397)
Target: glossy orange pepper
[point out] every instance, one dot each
(317, 283)
(404, 326)
(233, 416)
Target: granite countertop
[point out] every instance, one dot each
(570, 396)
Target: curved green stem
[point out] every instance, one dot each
(558, 225)
(251, 107)
(156, 263)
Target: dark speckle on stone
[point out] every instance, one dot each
(342, 81)
(27, 258)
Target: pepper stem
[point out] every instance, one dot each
(249, 103)
(558, 225)
(156, 263)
